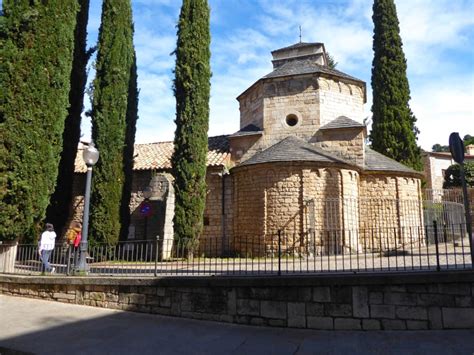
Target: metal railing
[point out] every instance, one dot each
(432, 247)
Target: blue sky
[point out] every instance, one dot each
(438, 37)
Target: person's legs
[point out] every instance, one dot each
(45, 254)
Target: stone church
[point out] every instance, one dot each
(299, 167)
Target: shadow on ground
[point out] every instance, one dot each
(44, 327)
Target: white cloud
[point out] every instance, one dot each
(442, 108)
(431, 31)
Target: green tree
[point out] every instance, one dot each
(452, 176)
(115, 59)
(468, 140)
(439, 148)
(394, 133)
(332, 64)
(36, 44)
(59, 204)
(128, 149)
(192, 90)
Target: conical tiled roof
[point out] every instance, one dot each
(293, 149)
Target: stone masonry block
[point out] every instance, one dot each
(406, 299)
(375, 297)
(428, 299)
(434, 318)
(297, 315)
(273, 309)
(458, 318)
(347, 324)
(60, 295)
(277, 322)
(390, 324)
(417, 288)
(248, 307)
(341, 294)
(382, 311)
(360, 302)
(406, 312)
(417, 325)
(165, 302)
(296, 309)
(321, 294)
(464, 301)
(257, 321)
(455, 289)
(338, 310)
(136, 298)
(322, 323)
(314, 309)
(371, 324)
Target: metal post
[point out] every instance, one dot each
(82, 267)
(467, 212)
(279, 252)
(435, 229)
(156, 253)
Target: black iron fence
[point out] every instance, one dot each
(432, 247)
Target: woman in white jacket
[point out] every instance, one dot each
(46, 247)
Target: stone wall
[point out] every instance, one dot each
(349, 143)
(212, 237)
(251, 108)
(392, 209)
(298, 96)
(338, 98)
(411, 301)
(304, 201)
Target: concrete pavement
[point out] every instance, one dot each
(45, 327)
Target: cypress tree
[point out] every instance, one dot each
(59, 204)
(128, 149)
(192, 90)
(115, 59)
(37, 42)
(394, 133)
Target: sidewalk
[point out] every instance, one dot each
(44, 327)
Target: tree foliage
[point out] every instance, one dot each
(128, 149)
(36, 43)
(394, 133)
(452, 176)
(439, 148)
(59, 204)
(115, 59)
(332, 64)
(468, 140)
(192, 91)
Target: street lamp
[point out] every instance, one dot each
(90, 156)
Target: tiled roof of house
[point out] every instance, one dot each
(306, 66)
(293, 149)
(342, 122)
(158, 155)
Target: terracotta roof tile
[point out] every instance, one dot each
(158, 155)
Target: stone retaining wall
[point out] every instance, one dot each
(341, 302)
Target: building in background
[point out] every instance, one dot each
(436, 163)
(299, 167)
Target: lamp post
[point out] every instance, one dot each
(90, 156)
